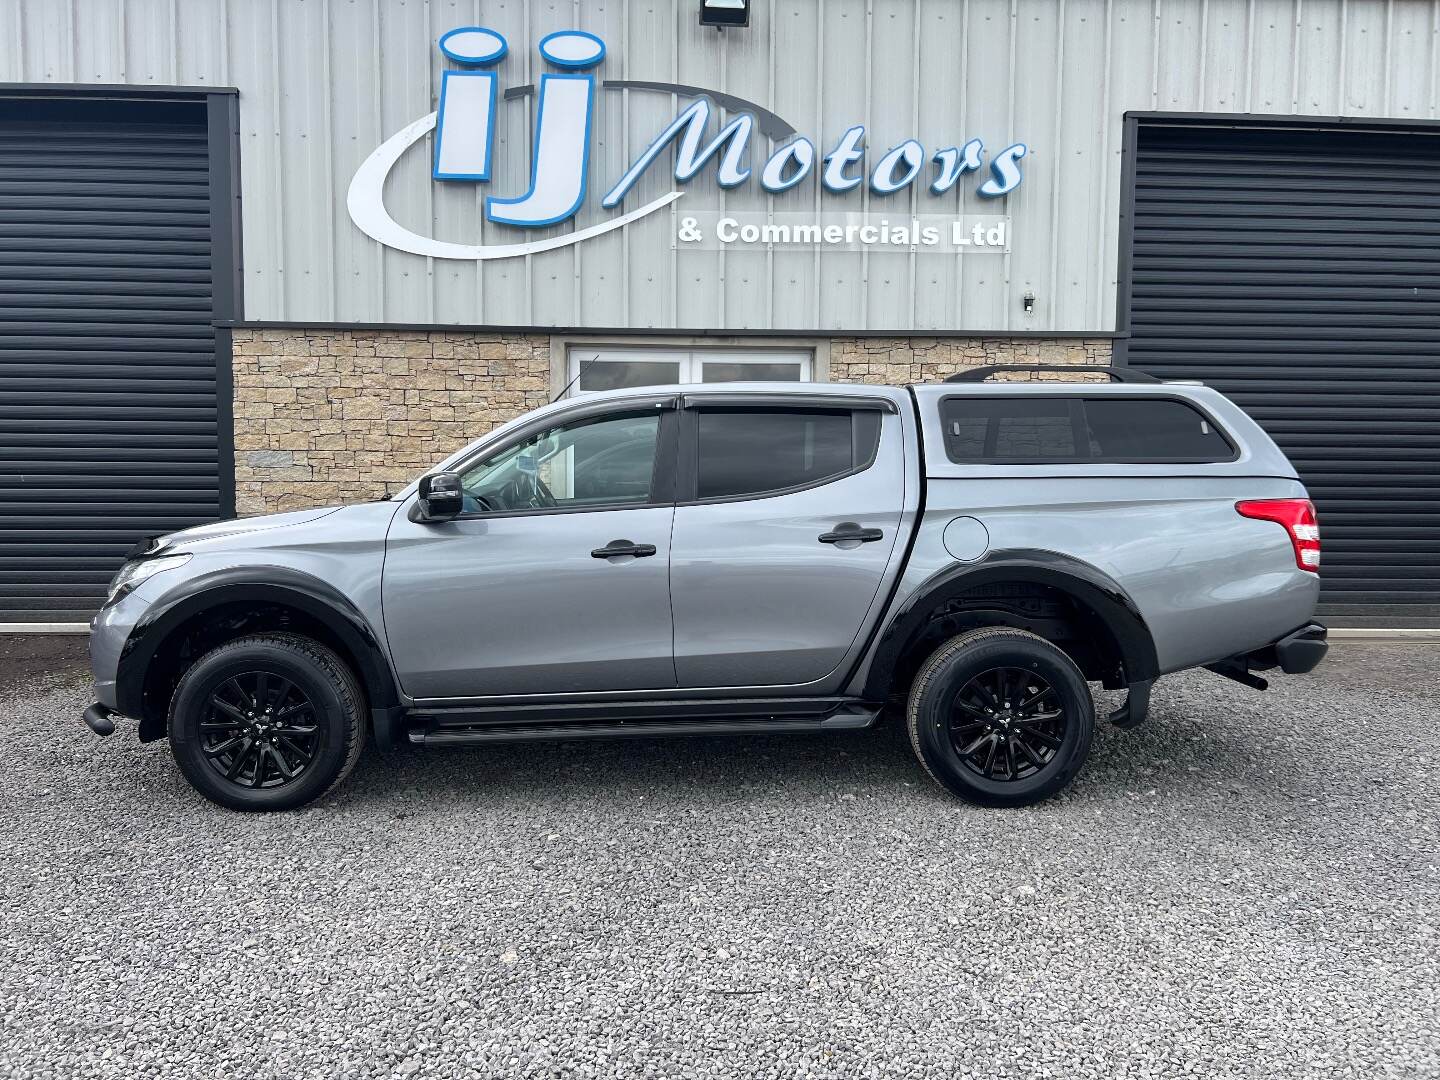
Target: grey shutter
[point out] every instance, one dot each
(108, 405)
(1298, 271)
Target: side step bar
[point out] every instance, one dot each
(711, 718)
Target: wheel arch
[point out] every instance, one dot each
(221, 606)
(1093, 593)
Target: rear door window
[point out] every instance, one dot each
(1059, 430)
(749, 452)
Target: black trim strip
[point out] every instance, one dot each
(113, 91)
(1086, 584)
(675, 331)
(678, 708)
(829, 402)
(246, 584)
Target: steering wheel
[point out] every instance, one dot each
(526, 491)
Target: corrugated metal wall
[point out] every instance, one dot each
(324, 81)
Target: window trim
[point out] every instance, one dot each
(565, 350)
(688, 470)
(663, 476)
(1080, 398)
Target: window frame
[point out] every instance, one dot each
(688, 463)
(691, 360)
(663, 476)
(1077, 416)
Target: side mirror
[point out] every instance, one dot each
(441, 497)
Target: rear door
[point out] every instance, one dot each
(789, 519)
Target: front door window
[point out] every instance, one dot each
(601, 462)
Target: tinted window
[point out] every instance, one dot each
(1009, 428)
(1055, 429)
(752, 451)
(1148, 429)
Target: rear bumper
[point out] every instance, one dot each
(1296, 653)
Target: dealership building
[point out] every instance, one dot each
(258, 255)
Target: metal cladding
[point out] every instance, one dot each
(324, 84)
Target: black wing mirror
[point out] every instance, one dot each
(441, 497)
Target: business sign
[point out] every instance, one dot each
(464, 126)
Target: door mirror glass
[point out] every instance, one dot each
(441, 496)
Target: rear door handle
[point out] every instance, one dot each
(623, 547)
(850, 530)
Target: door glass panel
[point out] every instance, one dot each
(752, 451)
(723, 371)
(606, 461)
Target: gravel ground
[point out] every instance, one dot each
(1248, 885)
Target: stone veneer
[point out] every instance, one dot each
(329, 416)
(921, 359)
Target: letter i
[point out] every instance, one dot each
(466, 116)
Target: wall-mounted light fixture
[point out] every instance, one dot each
(723, 13)
(1028, 302)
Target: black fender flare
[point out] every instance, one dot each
(258, 584)
(1083, 582)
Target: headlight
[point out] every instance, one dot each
(137, 571)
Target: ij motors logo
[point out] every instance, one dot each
(566, 99)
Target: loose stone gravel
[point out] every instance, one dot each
(1248, 885)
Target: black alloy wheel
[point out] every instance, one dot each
(1007, 723)
(259, 730)
(1000, 717)
(267, 722)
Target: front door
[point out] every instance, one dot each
(782, 539)
(555, 579)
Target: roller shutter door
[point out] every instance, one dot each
(108, 405)
(1298, 271)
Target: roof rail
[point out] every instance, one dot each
(1120, 375)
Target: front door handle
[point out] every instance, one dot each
(623, 547)
(850, 530)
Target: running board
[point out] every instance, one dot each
(687, 718)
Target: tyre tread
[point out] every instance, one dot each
(335, 670)
(936, 661)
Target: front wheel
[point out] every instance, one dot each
(1001, 717)
(268, 722)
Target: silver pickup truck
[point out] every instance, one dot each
(735, 558)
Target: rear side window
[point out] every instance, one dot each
(1056, 430)
(749, 452)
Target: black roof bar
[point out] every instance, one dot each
(1121, 375)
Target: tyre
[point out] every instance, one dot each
(268, 722)
(1000, 717)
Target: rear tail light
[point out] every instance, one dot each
(1298, 517)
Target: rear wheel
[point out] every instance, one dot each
(268, 722)
(1001, 717)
